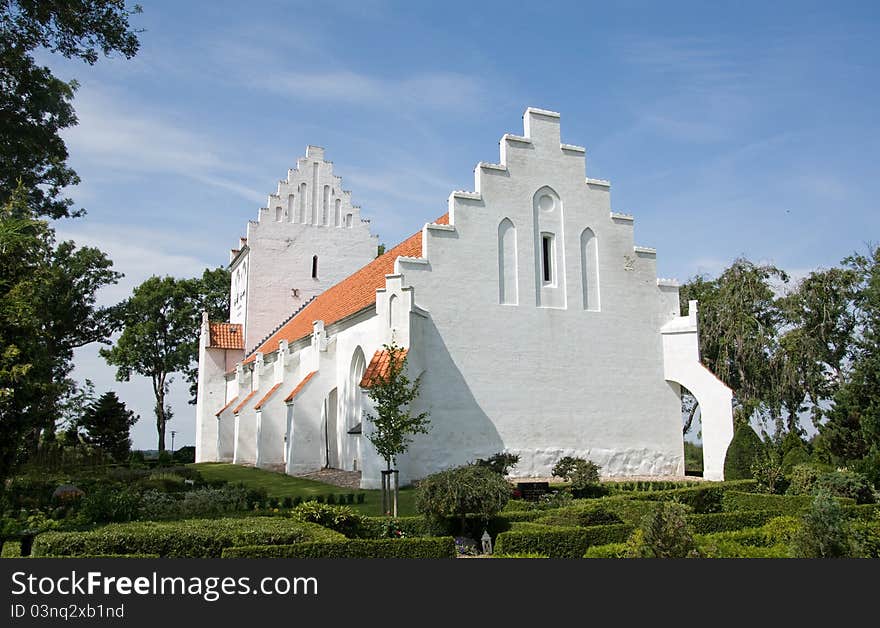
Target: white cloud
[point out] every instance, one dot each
(117, 136)
(441, 90)
(137, 252)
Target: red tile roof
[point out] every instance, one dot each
(225, 336)
(379, 366)
(350, 295)
(244, 401)
(224, 408)
(299, 387)
(265, 398)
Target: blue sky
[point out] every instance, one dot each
(727, 129)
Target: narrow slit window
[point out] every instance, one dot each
(547, 258)
(314, 267)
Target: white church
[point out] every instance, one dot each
(536, 324)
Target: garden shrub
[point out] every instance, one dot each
(11, 549)
(110, 556)
(580, 517)
(847, 484)
(458, 492)
(731, 549)
(804, 478)
(794, 457)
(703, 498)
(609, 550)
(520, 555)
(558, 542)
(780, 530)
(723, 521)
(193, 538)
(500, 463)
(664, 532)
(106, 504)
(164, 481)
(742, 453)
(427, 547)
(378, 527)
(768, 471)
(342, 519)
(824, 531)
(781, 504)
(646, 485)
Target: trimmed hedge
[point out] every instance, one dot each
(109, 556)
(426, 547)
(626, 509)
(703, 498)
(730, 549)
(726, 521)
(782, 504)
(609, 550)
(557, 542)
(193, 538)
(647, 485)
(11, 549)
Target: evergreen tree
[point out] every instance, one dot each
(106, 424)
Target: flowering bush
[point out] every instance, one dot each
(391, 530)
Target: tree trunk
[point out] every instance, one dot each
(160, 412)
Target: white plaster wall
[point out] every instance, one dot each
(541, 382)
(226, 436)
(682, 365)
(279, 253)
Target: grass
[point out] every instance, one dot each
(281, 485)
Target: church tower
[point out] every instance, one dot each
(307, 238)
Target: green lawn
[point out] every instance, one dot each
(281, 485)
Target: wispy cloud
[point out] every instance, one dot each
(139, 253)
(429, 90)
(119, 137)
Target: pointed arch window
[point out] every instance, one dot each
(314, 266)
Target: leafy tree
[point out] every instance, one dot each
(392, 392)
(738, 321)
(47, 310)
(852, 431)
(463, 491)
(35, 106)
(158, 338)
(814, 349)
(107, 423)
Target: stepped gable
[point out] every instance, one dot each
(351, 295)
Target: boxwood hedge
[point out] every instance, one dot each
(11, 549)
(559, 542)
(703, 498)
(424, 547)
(780, 504)
(724, 521)
(196, 538)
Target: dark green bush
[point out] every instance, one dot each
(467, 490)
(196, 538)
(646, 485)
(500, 463)
(185, 455)
(781, 504)
(360, 498)
(557, 542)
(664, 532)
(377, 527)
(794, 457)
(803, 478)
(847, 484)
(742, 453)
(724, 521)
(287, 502)
(824, 531)
(349, 498)
(703, 498)
(609, 550)
(331, 499)
(342, 519)
(573, 517)
(164, 459)
(106, 504)
(428, 547)
(11, 549)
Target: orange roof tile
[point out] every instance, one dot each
(379, 366)
(226, 336)
(224, 408)
(299, 387)
(244, 401)
(265, 398)
(350, 295)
